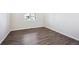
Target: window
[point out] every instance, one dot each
(30, 16)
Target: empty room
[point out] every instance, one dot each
(39, 29)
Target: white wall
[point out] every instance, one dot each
(4, 26)
(19, 22)
(67, 24)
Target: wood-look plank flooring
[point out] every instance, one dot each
(38, 36)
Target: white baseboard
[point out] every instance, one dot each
(4, 37)
(25, 28)
(63, 33)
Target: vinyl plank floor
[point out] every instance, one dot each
(38, 36)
